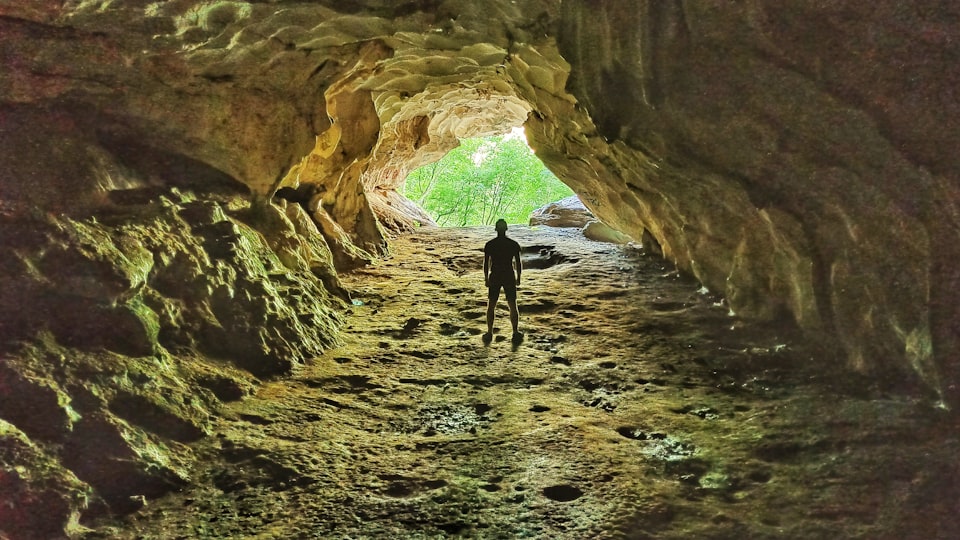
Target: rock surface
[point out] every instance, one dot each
(125, 331)
(684, 423)
(795, 158)
(182, 183)
(569, 212)
(599, 231)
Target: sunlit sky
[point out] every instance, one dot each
(483, 152)
(516, 133)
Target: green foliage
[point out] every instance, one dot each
(483, 180)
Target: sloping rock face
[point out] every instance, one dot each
(796, 159)
(124, 331)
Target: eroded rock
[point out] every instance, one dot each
(569, 212)
(796, 160)
(42, 499)
(126, 329)
(766, 175)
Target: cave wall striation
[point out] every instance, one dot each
(182, 182)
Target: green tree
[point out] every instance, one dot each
(482, 180)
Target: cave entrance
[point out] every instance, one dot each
(484, 179)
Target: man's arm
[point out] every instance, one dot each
(486, 269)
(519, 265)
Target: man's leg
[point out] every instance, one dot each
(493, 294)
(511, 294)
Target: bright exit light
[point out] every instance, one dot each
(485, 179)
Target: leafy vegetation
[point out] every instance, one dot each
(482, 180)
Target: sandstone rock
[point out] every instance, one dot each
(569, 212)
(601, 232)
(41, 499)
(114, 294)
(396, 212)
(37, 406)
(213, 283)
(121, 463)
(648, 397)
(346, 255)
(816, 134)
(111, 420)
(725, 117)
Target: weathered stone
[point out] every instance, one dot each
(120, 462)
(105, 299)
(599, 231)
(41, 499)
(35, 405)
(569, 212)
(734, 111)
(396, 212)
(346, 255)
(723, 428)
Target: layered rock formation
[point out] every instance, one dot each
(134, 326)
(571, 212)
(795, 159)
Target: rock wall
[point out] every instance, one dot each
(795, 158)
(180, 182)
(124, 331)
(136, 295)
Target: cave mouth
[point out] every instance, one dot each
(484, 179)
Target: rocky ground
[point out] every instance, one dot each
(636, 407)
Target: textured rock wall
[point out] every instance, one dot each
(124, 330)
(794, 157)
(131, 306)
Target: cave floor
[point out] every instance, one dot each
(636, 407)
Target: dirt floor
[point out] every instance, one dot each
(636, 407)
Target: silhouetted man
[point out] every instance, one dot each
(501, 257)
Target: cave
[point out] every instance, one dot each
(220, 318)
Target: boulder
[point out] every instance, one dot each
(569, 212)
(601, 232)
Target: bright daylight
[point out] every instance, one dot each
(485, 179)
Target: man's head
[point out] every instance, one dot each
(501, 225)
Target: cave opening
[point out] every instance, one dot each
(484, 179)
